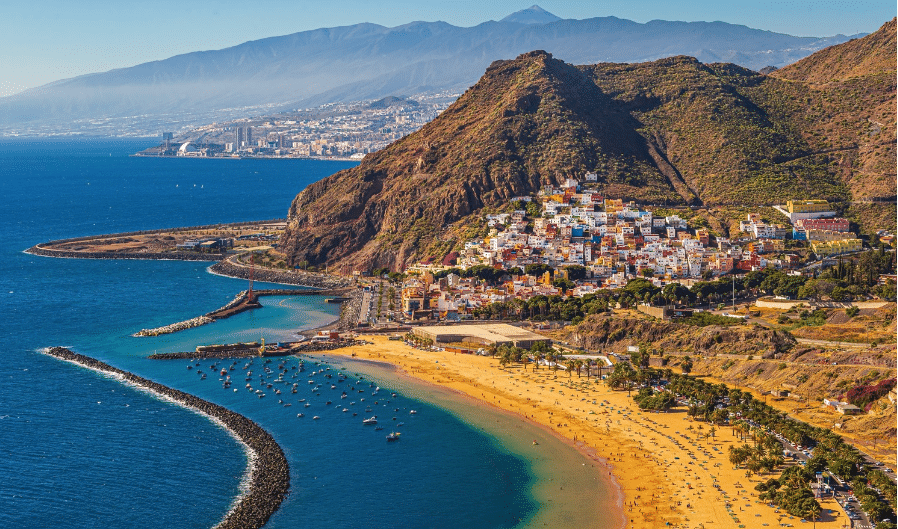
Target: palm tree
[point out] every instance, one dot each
(570, 368)
(578, 365)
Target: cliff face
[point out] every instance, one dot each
(668, 131)
(527, 122)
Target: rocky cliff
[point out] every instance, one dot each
(669, 131)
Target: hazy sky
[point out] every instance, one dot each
(56, 39)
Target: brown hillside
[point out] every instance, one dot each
(672, 131)
(527, 122)
(873, 54)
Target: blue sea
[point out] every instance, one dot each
(83, 450)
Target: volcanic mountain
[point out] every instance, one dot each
(673, 131)
(361, 62)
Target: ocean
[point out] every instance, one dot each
(83, 450)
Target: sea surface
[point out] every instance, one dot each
(83, 450)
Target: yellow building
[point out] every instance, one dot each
(825, 248)
(808, 206)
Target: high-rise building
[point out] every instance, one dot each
(238, 137)
(249, 136)
(166, 139)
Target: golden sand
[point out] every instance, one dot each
(669, 470)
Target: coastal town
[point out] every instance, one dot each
(570, 240)
(333, 131)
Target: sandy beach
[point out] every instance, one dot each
(671, 473)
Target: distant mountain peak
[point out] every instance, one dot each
(532, 15)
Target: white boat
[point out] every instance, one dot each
(372, 420)
(394, 436)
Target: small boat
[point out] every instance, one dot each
(189, 367)
(378, 428)
(401, 424)
(307, 405)
(223, 372)
(300, 414)
(413, 412)
(345, 410)
(316, 417)
(372, 420)
(394, 436)
(534, 442)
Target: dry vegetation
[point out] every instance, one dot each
(673, 131)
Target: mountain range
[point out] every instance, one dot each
(674, 131)
(365, 61)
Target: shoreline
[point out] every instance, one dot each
(602, 465)
(669, 468)
(269, 474)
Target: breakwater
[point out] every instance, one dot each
(38, 249)
(239, 304)
(284, 277)
(269, 475)
(46, 249)
(305, 347)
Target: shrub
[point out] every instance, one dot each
(862, 396)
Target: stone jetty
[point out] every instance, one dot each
(239, 304)
(248, 352)
(229, 267)
(270, 474)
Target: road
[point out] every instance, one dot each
(850, 506)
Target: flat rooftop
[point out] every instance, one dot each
(485, 333)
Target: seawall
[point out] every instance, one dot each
(270, 473)
(239, 304)
(284, 277)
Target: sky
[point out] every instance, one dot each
(59, 39)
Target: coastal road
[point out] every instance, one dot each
(851, 507)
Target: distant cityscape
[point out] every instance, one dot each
(338, 131)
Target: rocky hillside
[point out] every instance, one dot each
(872, 55)
(614, 333)
(673, 131)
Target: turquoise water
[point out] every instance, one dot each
(86, 451)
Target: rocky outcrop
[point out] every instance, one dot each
(270, 476)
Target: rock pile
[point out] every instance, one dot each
(285, 277)
(175, 327)
(270, 478)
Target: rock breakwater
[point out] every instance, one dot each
(175, 327)
(305, 347)
(270, 473)
(157, 256)
(284, 277)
